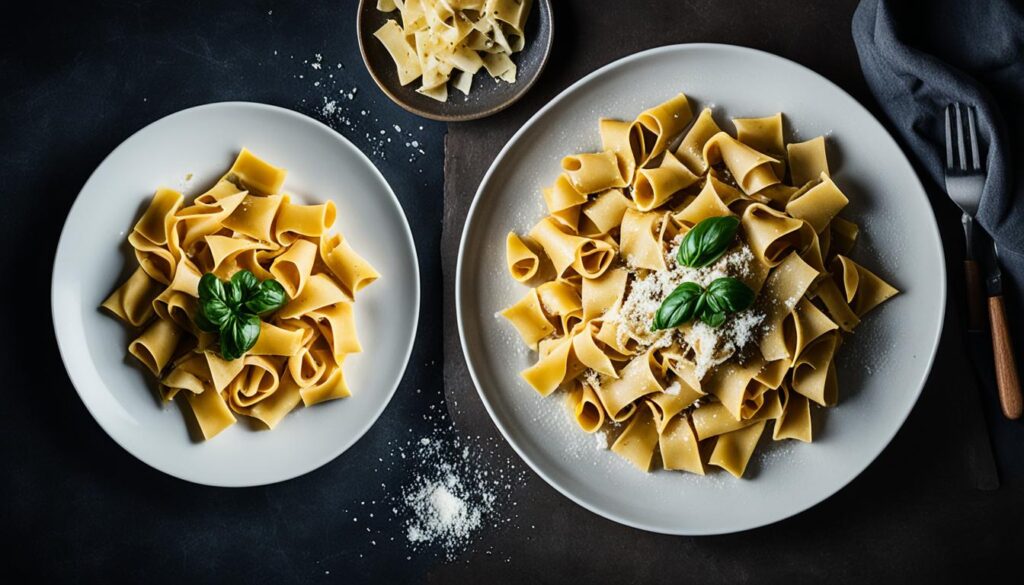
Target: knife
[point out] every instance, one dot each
(1007, 379)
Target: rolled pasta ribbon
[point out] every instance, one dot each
(132, 302)
(593, 172)
(618, 137)
(294, 220)
(814, 373)
(587, 256)
(736, 388)
(254, 217)
(691, 149)
(772, 235)
(553, 369)
(204, 218)
(639, 378)
(600, 294)
(591, 352)
(331, 386)
(660, 124)
(733, 450)
(354, 271)
(320, 291)
(152, 235)
(222, 371)
(562, 195)
(863, 289)
(521, 260)
(561, 301)
(819, 204)
(155, 347)
(713, 200)
(795, 420)
(337, 325)
(654, 186)
(274, 340)
(177, 307)
(606, 210)
(679, 446)
(677, 397)
(529, 319)
(271, 410)
(637, 442)
(836, 305)
(308, 366)
(292, 269)
(190, 374)
(211, 412)
(844, 236)
(805, 323)
(255, 174)
(752, 169)
(586, 408)
(807, 160)
(224, 250)
(783, 289)
(764, 135)
(258, 379)
(642, 239)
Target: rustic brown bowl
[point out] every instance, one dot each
(486, 98)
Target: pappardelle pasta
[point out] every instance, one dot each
(689, 286)
(281, 341)
(438, 41)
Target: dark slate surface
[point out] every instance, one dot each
(77, 80)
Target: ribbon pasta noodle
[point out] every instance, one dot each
(243, 222)
(600, 263)
(439, 41)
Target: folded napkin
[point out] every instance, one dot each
(918, 57)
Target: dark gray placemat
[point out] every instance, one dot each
(913, 512)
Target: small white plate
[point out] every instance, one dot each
(92, 257)
(882, 367)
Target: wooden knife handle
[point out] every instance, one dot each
(975, 299)
(1006, 367)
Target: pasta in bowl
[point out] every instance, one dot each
(689, 287)
(242, 299)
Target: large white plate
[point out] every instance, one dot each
(881, 368)
(91, 260)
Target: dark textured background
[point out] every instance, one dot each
(76, 80)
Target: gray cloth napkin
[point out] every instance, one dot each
(919, 57)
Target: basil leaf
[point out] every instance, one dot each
(232, 295)
(203, 323)
(215, 312)
(714, 319)
(678, 307)
(729, 295)
(246, 283)
(210, 287)
(270, 297)
(238, 334)
(707, 241)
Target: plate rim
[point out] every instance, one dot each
(614, 515)
(406, 234)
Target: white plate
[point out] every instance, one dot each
(881, 368)
(91, 260)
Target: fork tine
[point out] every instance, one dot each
(949, 139)
(976, 157)
(960, 138)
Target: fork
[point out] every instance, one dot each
(965, 181)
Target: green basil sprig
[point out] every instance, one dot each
(689, 302)
(707, 241)
(233, 309)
